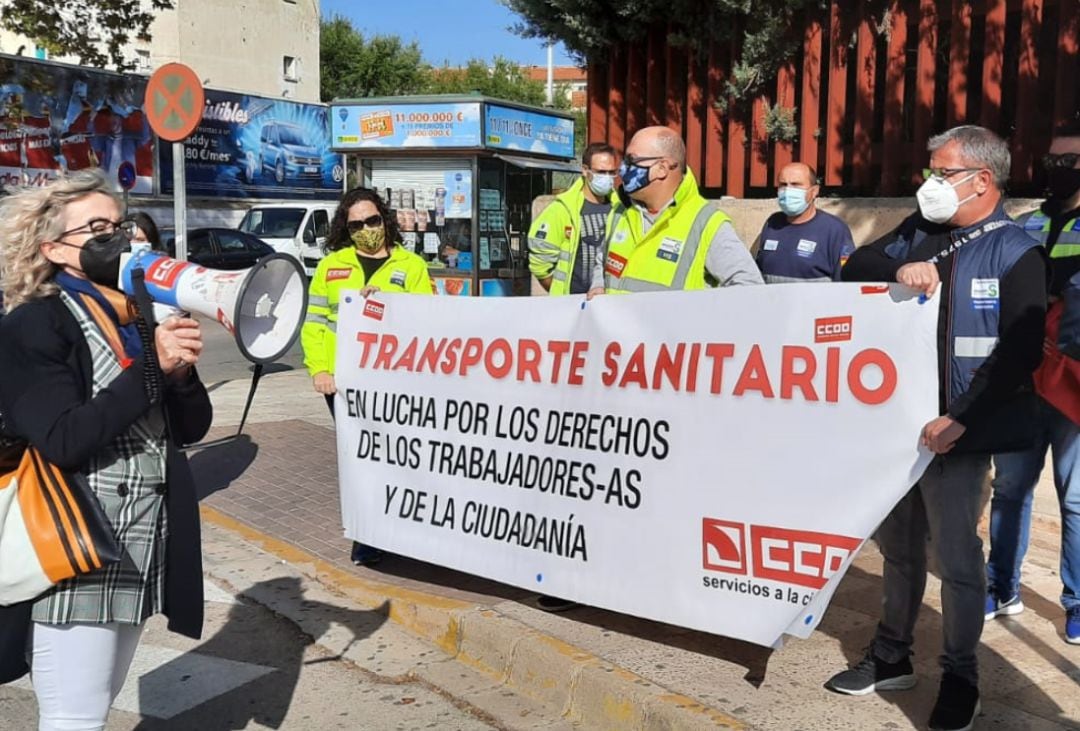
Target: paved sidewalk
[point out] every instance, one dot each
(605, 670)
(280, 651)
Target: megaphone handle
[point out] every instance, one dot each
(256, 374)
(144, 324)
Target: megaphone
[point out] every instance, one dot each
(263, 307)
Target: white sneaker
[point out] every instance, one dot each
(995, 608)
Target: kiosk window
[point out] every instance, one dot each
(433, 206)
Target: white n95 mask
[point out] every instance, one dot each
(938, 201)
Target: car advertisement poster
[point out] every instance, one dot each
(253, 147)
(520, 130)
(394, 126)
(56, 118)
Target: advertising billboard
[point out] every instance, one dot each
(55, 118)
(508, 128)
(395, 126)
(254, 147)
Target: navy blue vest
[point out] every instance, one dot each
(978, 266)
(977, 272)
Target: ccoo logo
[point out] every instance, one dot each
(615, 264)
(374, 309)
(723, 545)
(832, 329)
(785, 555)
(164, 272)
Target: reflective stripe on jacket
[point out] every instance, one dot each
(554, 238)
(402, 271)
(1037, 224)
(671, 255)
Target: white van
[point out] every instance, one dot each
(298, 228)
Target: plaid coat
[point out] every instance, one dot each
(128, 477)
(62, 390)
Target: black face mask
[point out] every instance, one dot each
(99, 257)
(1062, 183)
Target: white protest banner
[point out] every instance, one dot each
(708, 459)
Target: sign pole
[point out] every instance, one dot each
(179, 200)
(174, 106)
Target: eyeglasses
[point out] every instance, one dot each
(597, 171)
(946, 173)
(634, 160)
(1064, 160)
(361, 223)
(101, 227)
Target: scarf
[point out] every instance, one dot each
(113, 312)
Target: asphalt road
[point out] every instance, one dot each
(221, 359)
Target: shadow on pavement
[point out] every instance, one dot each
(276, 367)
(998, 676)
(215, 467)
(753, 658)
(275, 646)
(411, 569)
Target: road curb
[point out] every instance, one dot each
(562, 677)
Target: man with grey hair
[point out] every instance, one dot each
(663, 235)
(993, 303)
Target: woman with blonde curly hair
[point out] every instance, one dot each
(99, 391)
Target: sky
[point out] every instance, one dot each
(448, 31)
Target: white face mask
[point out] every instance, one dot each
(602, 184)
(938, 201)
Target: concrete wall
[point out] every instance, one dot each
(868, 218)
(240, 45)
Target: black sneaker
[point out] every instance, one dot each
(957, 705)
(554, 604)
(873, 674)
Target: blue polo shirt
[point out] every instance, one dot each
(811, 251)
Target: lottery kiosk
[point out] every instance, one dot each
(460, 173)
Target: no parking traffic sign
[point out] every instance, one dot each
(174, 107)
(174, 102)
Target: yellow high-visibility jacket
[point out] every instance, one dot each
(554, 238)
(402, 271)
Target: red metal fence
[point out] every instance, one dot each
(869, 91)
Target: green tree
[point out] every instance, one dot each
(96, 32)
(501, 78)
(352, 66)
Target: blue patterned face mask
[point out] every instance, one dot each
(634, 175)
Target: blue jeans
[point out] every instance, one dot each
(944, 506)
(1010, 509)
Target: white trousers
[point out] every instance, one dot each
(78, 670)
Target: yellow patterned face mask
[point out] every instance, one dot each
(369, 240)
